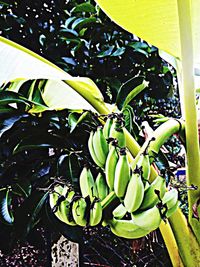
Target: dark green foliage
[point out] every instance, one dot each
(78, 37)
(37, 152)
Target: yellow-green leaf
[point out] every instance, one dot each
(156, 22)
(62, 91)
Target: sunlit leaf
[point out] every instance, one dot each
(156, 22)
(63, 91)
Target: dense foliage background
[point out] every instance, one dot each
(37, 151)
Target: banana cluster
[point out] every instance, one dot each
(83, 209)
(141, 205)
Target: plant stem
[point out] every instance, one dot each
(187, 88)
(170, 241)
(187, 243)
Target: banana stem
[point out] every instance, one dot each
(172, 246)
(164, 132)
(186, 241)
(108, 200)
(187, 88)
(96, 102)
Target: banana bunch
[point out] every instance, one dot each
(143, 222)
(84, 209)
(60, 201)
(135, 207)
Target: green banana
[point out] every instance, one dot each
(119, 212)
(127, 229)
(170, 198)
(62, 203)
(107, 127)
(148, 220)
(53, 196)
(122, 174)
(117, 132)
(110, 166)
(92, 152)
(100, 145)
(134, 192)
(95, 213)
(79, 211)
(56, 197)
(154, 193)
(66, 211)
(144, 164)
(101, 185)
(87, 184)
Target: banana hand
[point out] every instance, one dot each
(127, 229)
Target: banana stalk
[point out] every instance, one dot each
(186, 241)
(186, 86)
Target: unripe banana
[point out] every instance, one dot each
(100, 145)
(119, 212)
(144, 164)
(117, 132)
(54, 197)
(95, 213)
(170, 198)
(92, 152)
(122, 174)
(79, 211)
(110, 166)
(101, 185)
(107, 127)
(155, 191)
(148, 220)
(62, 204)
(127, 229)
(87, 184)
(134, 192)
(65, 209)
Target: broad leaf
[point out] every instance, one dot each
(38, 142)
(63, 91)
(11, 97)
(155, 22)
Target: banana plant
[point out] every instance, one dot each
(18, 64)
(173, 27)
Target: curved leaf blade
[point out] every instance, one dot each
(17, 62)
(129, 90)
(5, 200)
